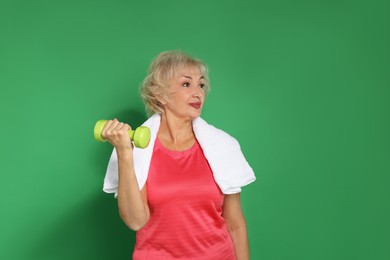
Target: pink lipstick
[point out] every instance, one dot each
(196, 105)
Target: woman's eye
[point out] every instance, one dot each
(202, 85)
(186, 84)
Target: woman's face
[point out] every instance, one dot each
(185, 94)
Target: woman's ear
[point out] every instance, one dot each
(161, 100)
(161, 95)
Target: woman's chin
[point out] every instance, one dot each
(195, 114)
(188, 115)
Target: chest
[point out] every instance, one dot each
(181, 178)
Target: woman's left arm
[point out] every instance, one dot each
(236, 225)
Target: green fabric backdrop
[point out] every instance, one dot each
(303, 85)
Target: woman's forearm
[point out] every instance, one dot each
(240, 241)
(132, 204)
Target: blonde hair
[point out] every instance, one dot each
(160, 71)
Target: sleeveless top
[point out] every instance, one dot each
(185, 209)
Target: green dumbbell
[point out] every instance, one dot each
(140, 136)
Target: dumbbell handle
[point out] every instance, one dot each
(140, 136)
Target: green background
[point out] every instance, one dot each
(303, 85)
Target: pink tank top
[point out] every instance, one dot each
(185, 210)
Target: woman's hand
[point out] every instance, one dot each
(117, 134)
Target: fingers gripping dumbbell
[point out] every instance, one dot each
(140, 136)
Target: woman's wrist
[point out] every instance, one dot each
(124, 153)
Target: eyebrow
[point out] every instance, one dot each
(189, 77)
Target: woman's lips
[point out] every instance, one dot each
(196, 105)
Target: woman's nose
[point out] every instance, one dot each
(197, 93)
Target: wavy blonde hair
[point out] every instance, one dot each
(161, 70)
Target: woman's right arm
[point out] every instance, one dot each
(132, 202)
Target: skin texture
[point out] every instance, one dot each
(183, 104)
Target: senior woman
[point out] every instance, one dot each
(182, 193)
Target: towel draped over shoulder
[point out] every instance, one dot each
(230, 169)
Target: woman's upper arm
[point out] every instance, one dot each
(232, 211)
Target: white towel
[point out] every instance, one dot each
(230, 169)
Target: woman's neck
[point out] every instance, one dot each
(176, 133)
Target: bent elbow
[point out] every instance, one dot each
(135, 224)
